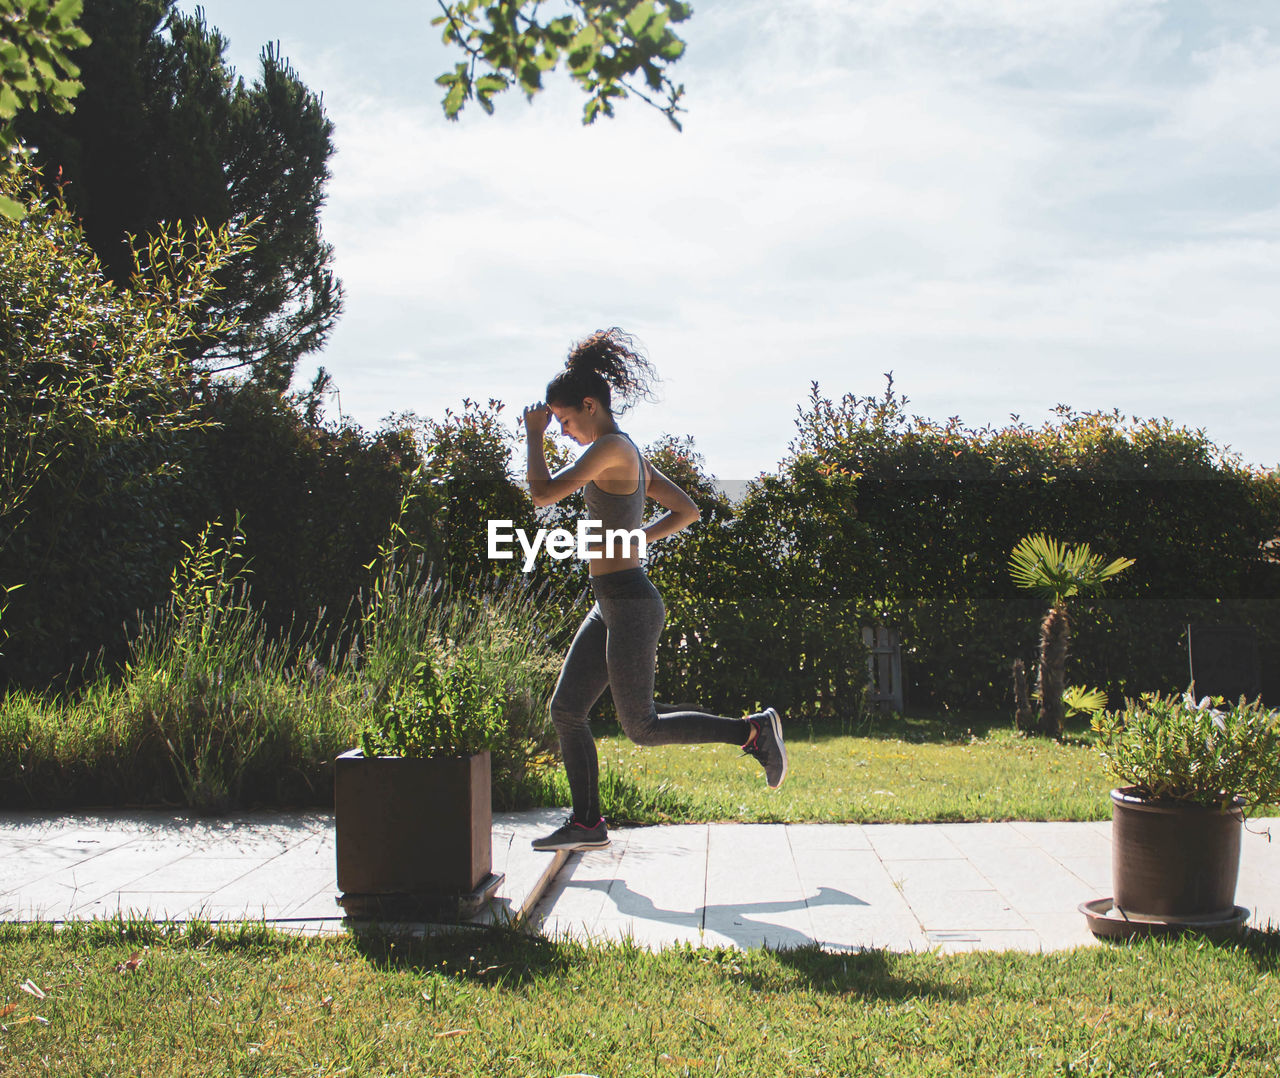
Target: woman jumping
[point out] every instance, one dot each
(617, 644)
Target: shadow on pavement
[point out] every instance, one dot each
(744, 923)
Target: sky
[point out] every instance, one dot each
(1010, 204)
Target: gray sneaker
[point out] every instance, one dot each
(572, 835)
(768, 747)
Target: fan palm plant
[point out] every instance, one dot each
(1057, 572)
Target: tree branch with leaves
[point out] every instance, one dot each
(86, 363)
(612, 49)
(36, 40)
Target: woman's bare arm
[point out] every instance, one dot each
(681, 512)
(547, 489)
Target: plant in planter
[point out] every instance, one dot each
(1190, 770)
(413, 804)
(446, 708)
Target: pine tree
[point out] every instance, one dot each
(163, 131)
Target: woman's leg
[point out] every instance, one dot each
(633, 611)
(583, 678)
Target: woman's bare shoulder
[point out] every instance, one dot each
(617, 446)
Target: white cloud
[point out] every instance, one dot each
(1231, 110)
(1011, 203)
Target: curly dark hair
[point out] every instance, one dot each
(608, 361)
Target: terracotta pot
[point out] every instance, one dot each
(1174, 861)
(412, 827)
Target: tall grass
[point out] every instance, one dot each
(209, 711)
(213, 712)
(519, 631)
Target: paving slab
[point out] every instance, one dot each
(1061, 931)
(945, 887)
(971, 838)
(908, 887)
(854, 902)
(1067, 839)
(1259, 884)
(754, 894)
(650, 890)
(277, 867)
(1032, 880)
(958, 941)
(526, 872)
(828, 837)
(1094, 872)
(911, 842)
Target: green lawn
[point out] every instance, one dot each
(114, 998)
(901, 771)
(499, 1003)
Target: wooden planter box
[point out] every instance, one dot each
(414, 837)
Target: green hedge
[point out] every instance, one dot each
(874, 516)
(877, 516)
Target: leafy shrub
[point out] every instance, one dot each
(215, 711)
(921, 540)
(1205, 752)
(210, 709)
(877, 516)
(95, 392)
(447, 708)
(756, 611)
(227, 703)
(314, 499)
(424, 638)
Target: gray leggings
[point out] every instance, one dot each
(616, 646)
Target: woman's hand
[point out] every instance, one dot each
(536, 418)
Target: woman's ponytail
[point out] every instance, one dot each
(606, 363)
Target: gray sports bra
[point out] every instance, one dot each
(618, 511)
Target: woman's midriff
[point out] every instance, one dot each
(601, 566)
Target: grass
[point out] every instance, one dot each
(899, 770)
(249, 1001)
(214, 713)
(113, 745)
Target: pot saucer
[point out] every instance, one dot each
(1108, 922)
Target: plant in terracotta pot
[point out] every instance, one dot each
(413, 804)
(1190, 770)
